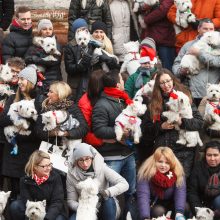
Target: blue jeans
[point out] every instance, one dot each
(107, 211)
(17, 211)
(167, 56)
(216, 203)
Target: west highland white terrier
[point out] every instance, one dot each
(212, 109)
(64, 122)
(210, 43)
(3, 202)
(132, 56)
(35, 210)
(183, 14)
(129, 119)
(147, 89)
(88, 199)
(203, 213)
(180, 104)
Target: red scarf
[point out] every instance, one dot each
(160, 182)
(40, 180)
(116, 93)
(16, 24)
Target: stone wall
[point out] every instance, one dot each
(55, 10)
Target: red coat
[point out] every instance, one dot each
(86, 108)
(158, 26)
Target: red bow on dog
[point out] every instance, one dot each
(173, 95)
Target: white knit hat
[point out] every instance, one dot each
(44, 23)
(29, 73)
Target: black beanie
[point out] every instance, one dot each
(99, 25)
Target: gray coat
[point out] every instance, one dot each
(208, 74)
(105, 175)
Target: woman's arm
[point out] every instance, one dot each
(180, 198)
(143, 199)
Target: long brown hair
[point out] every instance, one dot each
(156, 105)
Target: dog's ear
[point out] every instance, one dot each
(208, 85)
(28, 202)
(8, 194)
(197, 209)
(44, 202)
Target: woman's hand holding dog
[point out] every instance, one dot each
(167, 126)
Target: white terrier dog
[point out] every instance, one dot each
(36, 210)
(138, 4)
(3, 201)
(88, 199)
(212, 108)
(129, 119)
(147, 89)
(183, 14)
(64, 122)
(132, 56)
(203, 213)
(210, 43)
(181, 104)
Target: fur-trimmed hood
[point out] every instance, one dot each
(98, 3)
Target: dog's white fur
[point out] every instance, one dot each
(129, 119)
(51, 120)
(147, 89)
(203, 213)
(35, 210)
(213, 98)
(3, 202)
(183, 14)
(132, 56)
(210, 43)
(182, 106)
(19, 112)
(88, 199)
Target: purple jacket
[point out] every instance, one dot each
(158, 26)
(145, 197)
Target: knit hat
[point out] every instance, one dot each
(144, 60)
(29, 73)
(44, 23)
(149, 42)
(82, 150)
(79, 23)
(99, 25)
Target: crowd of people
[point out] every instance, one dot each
(153, 177)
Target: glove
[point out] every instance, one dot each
(86, 59)
(194, 25)
(104, 194)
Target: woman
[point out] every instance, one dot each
(13, 165)
(35, 55)
(86, 162)
(201, 193)
(98, 31)
(87, 102)
(157, 131)
(40, 183)
(59, 98)
(161, 185)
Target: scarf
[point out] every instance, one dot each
(40, 180)
(16, 24)
(60, 105)
(161, 182)
(140, 81)
(118, 94)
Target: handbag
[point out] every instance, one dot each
(213, 186)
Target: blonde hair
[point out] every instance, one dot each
(30, 86)
(61, 88)
(34, 160)
(148, 168)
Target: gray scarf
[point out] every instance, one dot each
(139, 81)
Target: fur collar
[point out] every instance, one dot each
(61, 105)
(98, 3)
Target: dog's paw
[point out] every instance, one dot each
(49, 58)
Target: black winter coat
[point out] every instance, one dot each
(52, 73)
(197, 185)
(105, 111)
(91, 13)
(154, 134)
(6, 13)
(51, 190)
(16, 43)
(13, 165)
